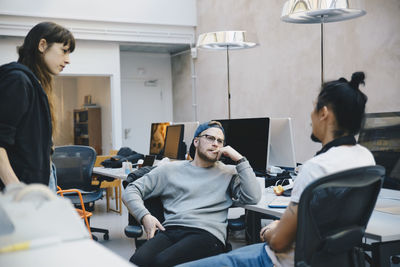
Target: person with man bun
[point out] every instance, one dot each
(336, 118)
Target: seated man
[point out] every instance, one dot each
(336, 118)
(196, 196)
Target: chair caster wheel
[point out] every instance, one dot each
(106, 237)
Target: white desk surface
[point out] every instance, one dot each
(382, 226)
(117, 173)
(79, 253)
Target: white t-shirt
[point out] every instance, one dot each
(336, 159)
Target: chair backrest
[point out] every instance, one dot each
(154, 205)
(333, 213)
(74, 166)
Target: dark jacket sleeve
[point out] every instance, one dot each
(14, 99)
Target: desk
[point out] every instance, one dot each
(382, 226)
(79, 253)
(117, 173)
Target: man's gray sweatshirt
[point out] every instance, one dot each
(195, 196)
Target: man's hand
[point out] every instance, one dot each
(228, 151)
(267, 228)
(151, 224)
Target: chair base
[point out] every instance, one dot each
(99, 230)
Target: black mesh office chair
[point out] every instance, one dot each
(333, 213)
(74, 165)
(154, 205)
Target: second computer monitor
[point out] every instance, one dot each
(173, 148)
(380, 133)
(189, 130)
(250, 138)
(281, 149)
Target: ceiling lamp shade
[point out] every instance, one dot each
(224, 40)
(317, 11)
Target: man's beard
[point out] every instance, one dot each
(206, 157)
(314, 138)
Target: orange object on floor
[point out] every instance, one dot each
(82, 212)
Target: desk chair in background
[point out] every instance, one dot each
(74, 171)
(333, 214)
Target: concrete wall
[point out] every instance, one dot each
(281, 77)
(181, 69)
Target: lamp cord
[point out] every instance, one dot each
(229, 87)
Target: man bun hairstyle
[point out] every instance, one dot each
(357, 78)
(347, 102)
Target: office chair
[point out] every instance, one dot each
(154, 205)
(333, 213)
(74, 171)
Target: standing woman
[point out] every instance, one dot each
(26, 104)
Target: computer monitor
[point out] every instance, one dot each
(380, 133)
(281, 147)
(173, 148)
(148, 160)
(157, 137)
(250, 138)
(190, 129)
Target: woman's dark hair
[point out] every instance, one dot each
(347, 102)
(30, 56)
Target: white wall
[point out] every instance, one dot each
(171, 12)
(142, 105)
(8, 49)
(153, 21)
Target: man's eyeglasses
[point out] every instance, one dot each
(212, 139)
